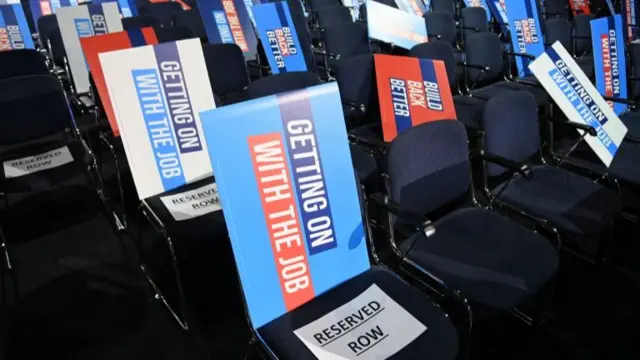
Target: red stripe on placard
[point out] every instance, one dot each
(280, 209)
(149, 36)
(449, 109)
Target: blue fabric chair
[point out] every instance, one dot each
(343, 41)
(170, 34)
(140, 22)
(488, 257)
(441, 26)
(279, 83)
(559, 29)
(574, 205)
(557, 9)
(444, 5)
(22, 63)
(473, 20)
(227, 70)
(332, 16)
(163, 11)
(191, 20)
(582, 36)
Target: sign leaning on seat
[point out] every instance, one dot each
(294, 218)
(228, 22)
(572, 90)
(157, 93)
(609, 59)
(14, 29)
(393, 26)
(83, 21)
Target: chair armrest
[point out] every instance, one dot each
(618, 100)
(521, 168)
(416, 220)
(353, 105)
(373, 142)
(436, 36)
(473, 66)
(331, 55)
(258, 66)
(470, 28)
(528, 56)
(588, 128)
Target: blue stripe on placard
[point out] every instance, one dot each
(399, 95)
(25, 31)
(156, 119)
(581, 100)
(3, 24)
(224, 31)
(136, 37)
(11, 28)
(98, 20)
(429, 77)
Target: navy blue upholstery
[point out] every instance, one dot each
(438, 50)
(279, 83)
(22, 63)
(320, 4)
(346, 40)
(582, 34)
(441, 25)
(474, 20)
(624, 165)
(45, 24)
(333, 15)
(169, 34)
(140, 22)
(558, 29)
(440, 341)
(191, 20)
(443, 5)
(227, 70)
(58, 51)
(163, 11)
(634, 59)
(491, 259)
(365, 165)
(355, 81)
(557, 8)
(631, 120)
(468, 110)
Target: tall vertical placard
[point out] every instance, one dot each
(228, 21)
(630, 16)
(82, 21)
(609, 59)
(14, 29)
(292, 211)
(157, 93)
(393, 26)
(526, 34)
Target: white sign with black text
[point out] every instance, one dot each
(193, 203)
(31, 164)
(371, 326)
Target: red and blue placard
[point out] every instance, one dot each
(394, 26)
(526, 34)
(289, 200)
(579, 7)
(14, 29)
(411, 91)
(228, 21)
(630, 12)
(609, 59)
(481, 4)
(279, 38)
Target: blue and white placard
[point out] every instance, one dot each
(393, 26)
(609, 61)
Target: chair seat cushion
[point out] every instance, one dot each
(488, 257)
(624, 165)
(501, 87)
(631, 120)
(438, 342)
(468, 110)
(570, 202)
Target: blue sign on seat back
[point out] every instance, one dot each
(228, 21)
(14, 29)
(499, 11)
(609, 59)
(289, 199)
(526, 34)
(630, 12)
(279, 37)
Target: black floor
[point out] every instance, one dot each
(78, 297)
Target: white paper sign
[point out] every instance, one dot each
(31, 164)
(157, 93)
(76, 22)
(193, 203)
(371, 326)
(578, 98)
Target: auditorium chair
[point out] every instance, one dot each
(581, 211)
(556, 9)
(342, 41)
(227, 70)
(18, 63)
(441, 26)
(171, 34)
(45, 24)
(163, 11)
(582, 45)
(280, 83)
(473, 20)
(191, 19)
(444, 5)
(558, 29)
(140, 22)
(634, 74)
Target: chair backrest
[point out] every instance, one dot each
(140, 22)
(283, 82)
(58, 52)
(442, 25)
(191, 20)
(347, 40)
(510, 123)
(163, 11)
(484, 49)
(320, 4)
(474, 17)
(22, 63)
(634, 59)
(558, 29)
(557, 8)
(582, 32)
(226, 67)
(45, 24)
(333, 15)
(443, 5)
(33, 107)
(428, 165)
(438, 50)
(169, 34)
(362, 12)
(355, 79)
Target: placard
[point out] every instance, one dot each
(630, 12)
(279, 38)
(481, 4)
(609, 59)
(292, 211)
(94, 45)
(5, 2)
(193, 203)
(395, 26)
(127, 8)
(612, 9)
(40, 8)
(83, 21)
(570, 88)
(579, 7)
(14, 29)
(499, 11)
(415, 7)
(526, 33)
(157, 93)
(411, 91)
(227, 21)
(369, 327)
(32, 164)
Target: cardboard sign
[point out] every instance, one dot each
(41, 8)
(157, 93)
(499, 10)
(84, 21)
(612, 9)
(609, 60)
(127, 8)
(579, 7)
(193, 203)
(415, 7)
(32, 164)
(279, 38)
(94, 45)
(411, 91)
(227, 21)
(570, 88)
(479, 3)
(14, 29)
(395, 26)
(371, 326)
(292, 211)
(630, 12)
(9, 2)
(526, 33)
